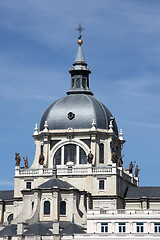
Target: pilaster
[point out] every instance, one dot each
(55, 206)
(93, 147)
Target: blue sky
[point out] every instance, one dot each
(38, 43)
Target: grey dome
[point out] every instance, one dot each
(77, 111)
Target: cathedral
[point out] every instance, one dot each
(77, 186)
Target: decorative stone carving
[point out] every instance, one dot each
(45, 127)
(93, 125)
(121, 135)
(70, 133)
(36, 130)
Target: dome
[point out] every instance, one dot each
(79, 108)
(77, 111)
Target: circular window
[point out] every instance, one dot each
(71, 115)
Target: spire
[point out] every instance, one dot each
(80, 72)
(80, 56)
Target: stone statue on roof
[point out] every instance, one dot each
(120, 161)
(25, 162)
(41, 159)
(18, 159)
(131, 166)
(137, 171)
(114, 156)
(90, 157)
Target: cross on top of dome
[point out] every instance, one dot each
(80, 29)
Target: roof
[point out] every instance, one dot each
(6, 195)
(80, 56)
(9, 230)
(84, 109)
(54, 182)
(49, 224)
(139, 192)
(38, 229)
(72, 228)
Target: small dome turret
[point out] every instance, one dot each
(80, 72)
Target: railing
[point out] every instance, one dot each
(64, 171)
(82, 170)
(125, 211)
(102, 170)
(72, 170)
(34, 172)
(28, 171)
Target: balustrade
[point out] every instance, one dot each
(74, 170)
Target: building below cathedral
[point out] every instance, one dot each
(77, 186)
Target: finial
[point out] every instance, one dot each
(45, 127)
(36, 129)
(121, 135)
(79, 29)
(93, 125)
(111, 125)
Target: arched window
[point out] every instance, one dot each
(62, 208)
(46, 207)
(72, 82)
(57, 157)
(70, 153)
(101, 153)
(84, 83)
(82, 156)
(78, 83)
(10, 218)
